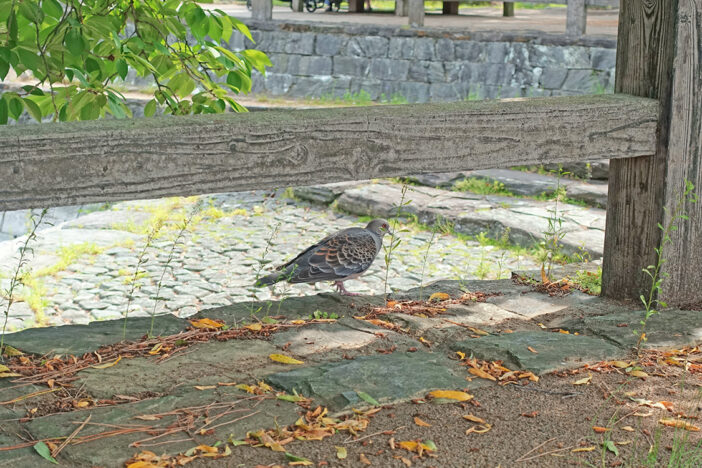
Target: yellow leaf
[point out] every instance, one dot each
(206, 323)
(620, 364)
(297, 322)
(638, 373)
(156, 349)
(474, 419)
(680, 424)
(565, 332)
(478, 331)
(9, 374)
(461, 355)
(481, 373)
(628, 428)
(544, 276)
(205, 387)
(532, 350)
(283, 359)
(341, 453)
(451, 395)
(583, 381)
(11, 351)
(479, 429)
(439, 296)
(246, 388)
(226, 384)
(207, 449)
(142, 464)
(82, 404)
(109, 364)
(254, 327)
(584, 449)
(419, 422)
(364, 459)
(4, 368)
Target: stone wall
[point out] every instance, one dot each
(426, 65)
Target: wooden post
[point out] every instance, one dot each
(507, 9)
(416, 13)
(449, 8)
(297, 5)
(262, 10)
(658, 56)
(576, 18)
(401, 7)
(355, 6)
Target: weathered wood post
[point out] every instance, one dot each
(507, 9)
(297, 5)
(355, 6)
(416, 13)
(449, 8)
(401, 7)
(262, 10)
(659, 56)
(576, 18)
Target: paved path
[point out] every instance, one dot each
(549, 20)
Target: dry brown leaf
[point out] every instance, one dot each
(628, 428)
(439, 296)
(481, 373)
(474, 419)
(532, 350)
(148, 417)
(364, 459)
(583, 449)
(109, 364)
(601, 430)
(156, 349)
(404, 460)
(679, 423)
(206, 323)
(583, 381)
(204, 387)
(638, 373)
(620, 364)
(479, 429)
(419, 422)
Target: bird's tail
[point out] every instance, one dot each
(270, 279)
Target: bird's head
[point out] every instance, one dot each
(379, 227)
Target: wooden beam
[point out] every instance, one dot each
(109, 160)
(660, 45)
(416, 13)
(576, 18)
(508, 9)
(262, 10)
(401, 7)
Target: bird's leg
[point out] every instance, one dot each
(342, 290)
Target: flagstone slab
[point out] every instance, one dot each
(667, 329)
(553, 351)
(240, 361)
(387, 378)
(8, 437)
(80, 339)
(115, 450)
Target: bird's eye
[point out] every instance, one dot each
(385, 226)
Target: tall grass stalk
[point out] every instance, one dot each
(388, 249)
(24, 251)
(424, 262)
(141, 260)
(651, 302)
(262, 262)
(554, 233)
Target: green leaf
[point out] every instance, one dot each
(74, 41)
(295, 458)
(4, 68)
(5, 9)
(258, 59)
(150, 108)
(52, 8)
(31, 11)
(42, 449)
(15, 106)
(3, 111)
(122, 68)
(32, 108)
(611, 446)
(367, 398)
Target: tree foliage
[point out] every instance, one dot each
(77, 51)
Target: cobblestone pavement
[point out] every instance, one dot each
(82, 270)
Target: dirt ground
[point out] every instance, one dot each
(539, 424)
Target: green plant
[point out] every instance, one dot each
(75, 51)
(138, 273)
(426, 256)
(651, 302)
(482, 187)
(262, 262)
(388, 249)
(555, 232)
(24, 251)
(318, 314)
(588, 281)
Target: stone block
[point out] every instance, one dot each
(583, 81)
(426, 71)
(453, 71)
(371, 86)
(414, 91)
(424, 49)
(351, 66)
(278, 84)
(561, 56)
(368, 46)
(442, 92)
(518, 55)
(298, 43)
(388, 69)
(401, 47)
(329, 44)
(313, 86)
(498, 74)
(445, 50)
(280, 63)
(603, 59)
(272, 42)
(553, 77)
(496, 52)
(468, 50)
(309, 65)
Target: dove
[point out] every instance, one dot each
(344, 255)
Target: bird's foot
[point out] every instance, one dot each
(342, 290)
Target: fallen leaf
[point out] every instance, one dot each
(419, 422)
(533, 414)
(481, 373)
(254, 327)
(601, 430)
(439, 296)
(451, 395)
(474, 419)
(638, 373)
(4, 368)
(583, 449)
(391, 304)
(364, 459)
(226, 384)
(42, 449)
(297, 461)
(479, 429)
(283, 359)
(156, 349)
(680, 424)
(341, 452)
(628, 428)
(109, 364)
(621, 364)
(583, 381)
(461, 355)
(11, 351)
(206, 323)
(205, 387)
(532, 350)
(9, 374)
(148, 417)
(404, 460)
(367, 398)
(611, 446)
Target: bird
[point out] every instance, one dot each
(341, 256)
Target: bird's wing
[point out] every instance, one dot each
(339, 256)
